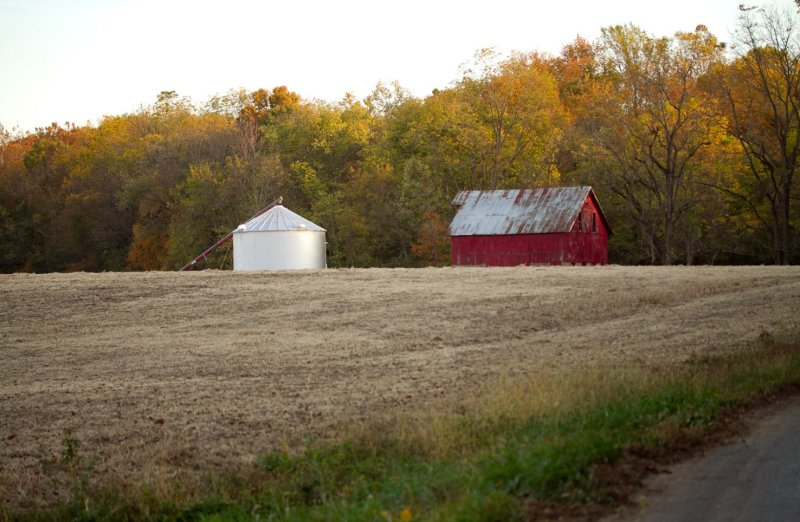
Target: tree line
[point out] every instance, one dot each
(692, 146)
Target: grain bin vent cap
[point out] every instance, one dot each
(279, 219)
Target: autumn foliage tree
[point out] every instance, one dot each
(649, 118)
(761, 103)
(433, 243)
(691, 146)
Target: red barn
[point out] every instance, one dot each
(552, 226)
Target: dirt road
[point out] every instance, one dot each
(754, 479)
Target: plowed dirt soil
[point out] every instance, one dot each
(165, 376)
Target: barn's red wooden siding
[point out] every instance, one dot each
(585, 243)
(529, 249)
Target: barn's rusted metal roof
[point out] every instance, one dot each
(504, 212)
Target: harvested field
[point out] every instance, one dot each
(165, 376)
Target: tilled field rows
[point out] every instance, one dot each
(166, 374)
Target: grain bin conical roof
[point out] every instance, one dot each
(279, 219)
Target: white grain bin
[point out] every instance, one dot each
(278, 239)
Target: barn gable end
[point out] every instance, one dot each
(529, 227)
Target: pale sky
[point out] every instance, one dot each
(77, 60)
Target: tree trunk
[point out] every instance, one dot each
(668, 217)
(783, 230)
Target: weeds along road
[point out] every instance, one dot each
(756, 478)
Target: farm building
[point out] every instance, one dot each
(278, 239)
(553, 226)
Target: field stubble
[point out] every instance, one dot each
(165, 377)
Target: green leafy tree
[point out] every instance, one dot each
(47, 166)
(16, 227)
(167, 140)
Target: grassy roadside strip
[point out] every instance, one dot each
(558, 445)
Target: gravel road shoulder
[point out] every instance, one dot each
(753, 478)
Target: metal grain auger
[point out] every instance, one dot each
(227, 237)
